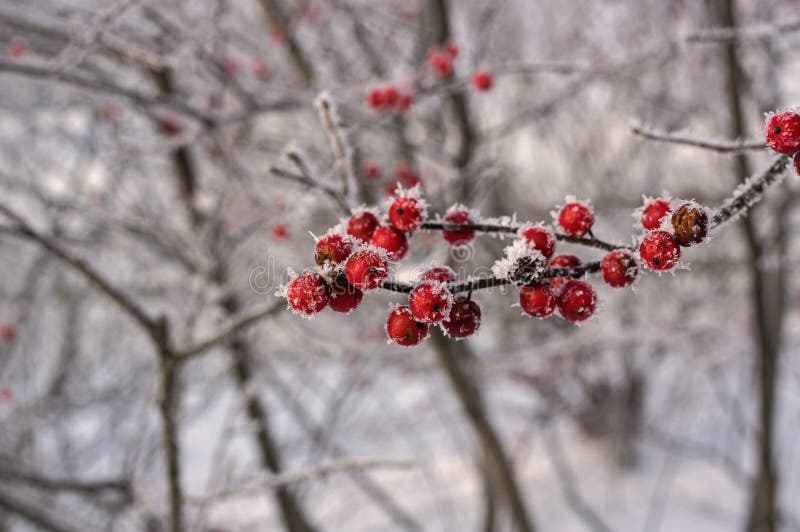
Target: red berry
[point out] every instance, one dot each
(458, 238)
(390, 95)
(659, 250)
(392, 240)
(783, 132)
(404, 102)
(440, 63)
(344, 297)
(562, 261)
(407, 213)
(538, 299)
(452, 49)
(430, 302)
(376, 99)
(542, 238)
(231, 67)
(441, 274)
(403, 329)
(690, 224)
(362, 225)
(407, 177)
(7, 332)
(575, 218)
(366, 268)
(483, 80)
(654, 212)
(279, 232)
(308, 294)
(260, 69)
(464, 320)
(372, 170)
(334, 248)
(16, 49)
(577, 301)
(170, 127)
(619, 268)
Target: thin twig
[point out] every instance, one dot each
(721, 146)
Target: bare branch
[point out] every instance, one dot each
(721, 146)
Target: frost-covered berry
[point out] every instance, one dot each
(619, 268)
(542, 238)
(654, 212)
(366, 268)
(430, 302)
(690, 223)
(464, 319)
(659, 250)
(562, 261)
(403, 329)
(362, 225)
(407, 213)
(783, 132)
(482, 80)
(577, 301)
(392, 240)
(308, 293)
(441, 274)
(344, 297)
(575, 218)
(376, 99)
(458, 238)
(333, 248)
(538, 299)
(441, 63)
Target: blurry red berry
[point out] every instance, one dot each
(690, 224)
(430, 302)
(7, 332)
(483, 80)
(170, 127)
(783, 132)
(280, 232)
(458, 238)
(619, 268)
(654, 212)
(577, 301)
(334, 248)
(464, 319)
(392, 240)
(542, 238)
(440, 63)
(231, 67)
(659, 250)
(362, 225)
(16, 49)
(403, 329)
(308, 294)
(344, 297)
(260, 69)
(372, 170)
(366, 268)
(452, 49)
(407, 177)
(442, 274)
(538, 299)
(575, 218)
(407, 213)
(562, 261)
(404, 102)
(376, 99)
(390, 95)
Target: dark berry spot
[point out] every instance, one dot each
(400, 211)
(777, 130)
(436, 308)
(656, 261)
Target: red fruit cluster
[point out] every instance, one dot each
(389, 97)
(458, 215)
(660, 248)
(441, 61)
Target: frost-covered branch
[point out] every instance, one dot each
(721, 146)
(340, 145)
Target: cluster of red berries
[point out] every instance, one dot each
(440, 61)
(390, 98)
(782, 130)
(688, 225)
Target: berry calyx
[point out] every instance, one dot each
(654, 212)
(430, 302)
(542, 238)
(577, 301)
(308, 294)
(782, 131)
(458, 238)
(538, 299)
(362, 225)
(407, 213)
(403, 329)
(366, 268)
(333, 248)
(575, 218)
(464, 319)
(659, 250)
(690, 224)
(441, 274)
(392, 240)
(441, 63)
(619, 268)
(562, 261)
(344, 297)
(483, 80)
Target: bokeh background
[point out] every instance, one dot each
(141, 217)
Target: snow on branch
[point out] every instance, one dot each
(717, 145)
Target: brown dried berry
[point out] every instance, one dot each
(690, 224)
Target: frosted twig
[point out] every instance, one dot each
(740, 34)
(304, 475)
(721, 146)
(329, 117)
